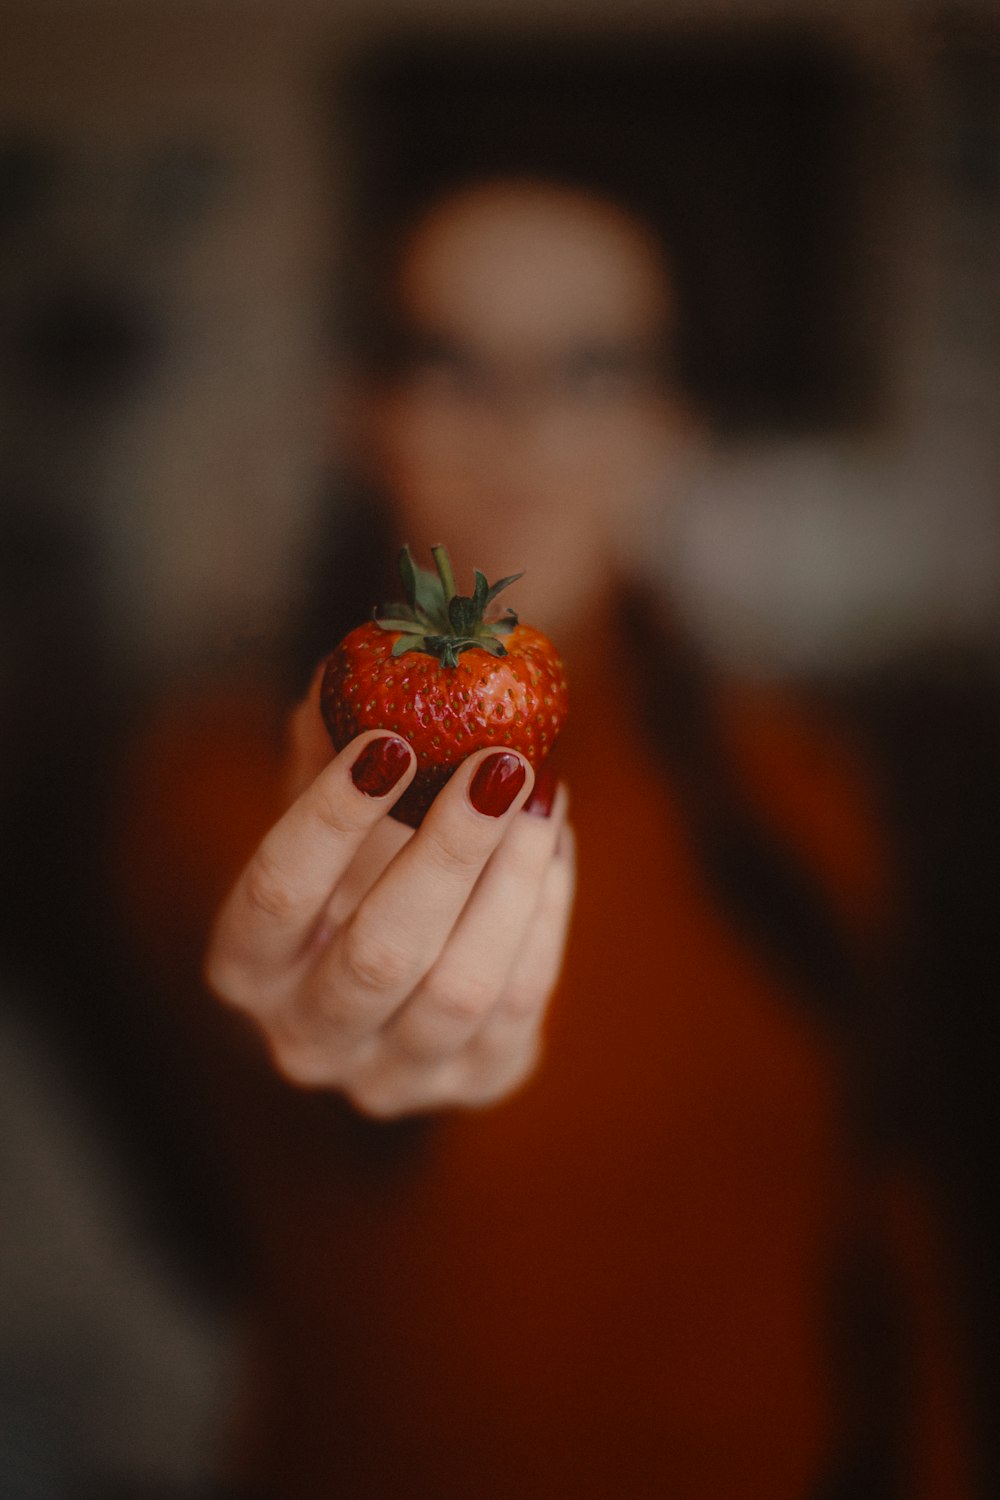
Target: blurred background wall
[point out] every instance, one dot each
(189, 166)
(176, 189)
(164, 240)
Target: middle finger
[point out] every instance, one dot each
(471, 973)
(379, 957)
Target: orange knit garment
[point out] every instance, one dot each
(617, 1283)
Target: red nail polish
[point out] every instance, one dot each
(380, 765)
(496, 783)
(543, 793)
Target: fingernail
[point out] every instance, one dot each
(496, 783)
(543, 793)
(380, 765)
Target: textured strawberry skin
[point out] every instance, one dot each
(516, 702)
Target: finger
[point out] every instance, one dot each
(509, 1037)
(381, 1082)
(401, 926)
(273, 910)
(309, 743)
(472, 972)
(379, 848)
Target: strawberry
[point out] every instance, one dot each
(438, 672)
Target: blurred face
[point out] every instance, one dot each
(529, 414)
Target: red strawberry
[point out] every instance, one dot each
(447, 679)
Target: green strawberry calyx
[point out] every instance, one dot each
(438, 620)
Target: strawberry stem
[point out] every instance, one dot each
(437, 620)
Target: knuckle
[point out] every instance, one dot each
(377, 1098)
(370, 963)
(526, 852)
(416, 1047)
(526, 1066)
(304, 1066)
(342, 1021)
(223, 978)
(334, 816)
(452, 857)
(391, 1088)
(460, 999)
(231, 981)
(500, 1074)
(303, 1058)
(268, 890)
(522, 1000)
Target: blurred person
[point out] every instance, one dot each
(673, 1257)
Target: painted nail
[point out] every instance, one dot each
(543, 793)
(496, 783)
(380, 765)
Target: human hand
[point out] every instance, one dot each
(407, 970)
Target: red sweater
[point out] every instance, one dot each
(618, 1282)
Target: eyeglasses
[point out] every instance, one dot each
(589, 376)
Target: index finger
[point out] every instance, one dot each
(273, 911)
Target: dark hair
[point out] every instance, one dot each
(736, 149)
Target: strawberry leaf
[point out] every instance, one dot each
(423, 588)
(439, 622)
(408, 573)
(408, 643)
(462, 615)
(498, 588)
(400, 622)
